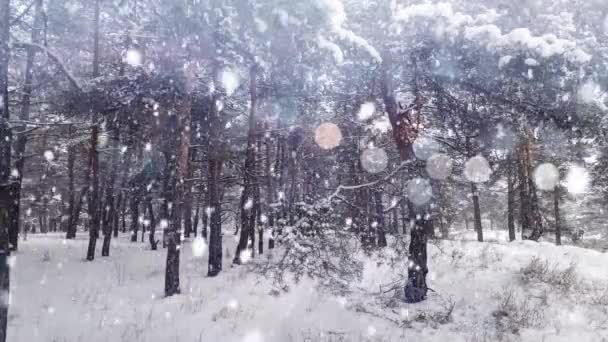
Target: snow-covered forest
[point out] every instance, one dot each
(313, 170)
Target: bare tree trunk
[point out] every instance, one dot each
(71, 224)
(510, 200)
(248, 198)
(152, 234)
(110, 205)
(93, 153)
(269, 194)
(206, 214)
(174, 232)
(380, 229)
(415, 289)
(8, 194)
(558, 228)
(215, 217)
(523, 196)
(537, 223)
(8, 191)
(117, 214)
(134, 216)
(25, 112)
(476, 212)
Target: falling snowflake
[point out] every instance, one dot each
(439, 166)
(425, 147)
(249, 204)
(588, 92)
(546, 176)
(577, 180)
(371, 331)
(328, 136)
(245, 256)
(504, 138)
(233, 304)
(477, 169)
(134, 57)
(374, 160)
(164, 224)
(366, 111)
(49, 155)
(253, 336)
(419, 191)
(199, 246)
(230, 81)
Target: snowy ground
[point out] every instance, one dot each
(481, 294)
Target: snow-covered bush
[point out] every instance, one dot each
(542, 271)
(318, 246)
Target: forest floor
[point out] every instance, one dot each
(491, 291)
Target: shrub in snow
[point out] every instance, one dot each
(315, 246)
(514, 313)
(542, 271)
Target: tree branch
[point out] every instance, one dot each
(55, 59)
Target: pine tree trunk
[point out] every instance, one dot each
(415, 288)
(93, 153)
(94, 197)
(134, 216)
(206, 215)
(8, 192)
(558, 228)
(248, 198)
(269, 193)
(174, 233)
(152, 234)
(71, 224)
(215, 217)
(523, 197)
(380, 230)
(110, 209)
(510, 200)
(476, 212)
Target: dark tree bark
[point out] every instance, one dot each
(415, 288)
(476, 212)
(8, 191)
(8, 195)
(24, 115)
(94, 154)
(71, 224)
(248, 197)
(206, 214)
(524, 216)
(152, 235)
(215, 217)
(558, 228)
(94, 197)
(174, 232)
(510, 200)
(110, 210)
(196, 218)
(134, 215)
(269, 194)
(117, 214)
(380, 228)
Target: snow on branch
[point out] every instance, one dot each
(336, 192)
(55, 59)
(337, 18)
(481, 28)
